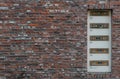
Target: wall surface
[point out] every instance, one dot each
(47, 39)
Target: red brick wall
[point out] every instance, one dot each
(47, 39)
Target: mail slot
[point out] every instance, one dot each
(99, 25)
(99, 13)
(99, 38)
(99, 50)
(99, 63)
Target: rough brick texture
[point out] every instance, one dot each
(47, 39)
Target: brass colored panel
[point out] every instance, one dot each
(99, 13)
(99, 25)
(99, 63)
(99, 50)
(99, 38)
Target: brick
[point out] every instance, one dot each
(46, 39)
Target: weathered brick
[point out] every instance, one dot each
(47, 39)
